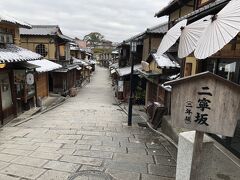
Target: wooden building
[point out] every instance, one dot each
(17, 87)
(78, 57)
(43, 71)
(224, 63)
(64, 79)
(157, 70)
(52, 44)
(123, 81)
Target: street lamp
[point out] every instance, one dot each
(133, 50)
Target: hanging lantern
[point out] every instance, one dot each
(2, 66)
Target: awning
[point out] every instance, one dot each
(45, 65)
(67, 68)
(25, 65)
(127, 70)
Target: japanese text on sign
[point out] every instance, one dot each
(203, 106)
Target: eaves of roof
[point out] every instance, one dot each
(171, 7)
(209, 9)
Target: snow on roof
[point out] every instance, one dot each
(79, 61)
(175, 76)
(127, 70)
(13, 53)
(45, 65)
(8, 19)
(40, 30)
(115, 65)
(67, 68)
(164, 61)
(91, 62)
(115, 52)
(167, 87)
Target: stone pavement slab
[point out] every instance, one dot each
(29, 161)
(23, 171)
(54, 175)
(6, 177)
(61, 166)
(82, 160)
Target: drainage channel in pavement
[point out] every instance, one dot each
(91, 175)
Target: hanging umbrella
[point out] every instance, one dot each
(171, 37)
(222, 29)
(190, 36)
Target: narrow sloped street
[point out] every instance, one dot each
(87, 132)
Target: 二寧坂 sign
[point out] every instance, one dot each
(205, 102)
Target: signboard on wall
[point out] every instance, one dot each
(30, 79)
(205, 102)
(120, 86)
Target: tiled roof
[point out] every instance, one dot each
(67, 68)
(171, 7)
(159, 29)
(45, 65)
(79, 62)
(40, 30)
(13, 53)
(127, 70)
(205, 10)
(165, 62)
(12, 20)
(45, 30)
(64, 37)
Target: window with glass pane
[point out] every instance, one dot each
(227, 69)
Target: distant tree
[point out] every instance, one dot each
(93, 38)
(102, 50)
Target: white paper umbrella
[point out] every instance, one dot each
(190, 36)
(223, 28)
(171, 37)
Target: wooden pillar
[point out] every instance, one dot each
(147, 95)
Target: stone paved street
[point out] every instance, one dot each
(87, 132)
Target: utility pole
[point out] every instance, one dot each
(133, 47)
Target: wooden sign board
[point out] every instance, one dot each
(120, 86)
(205, 102)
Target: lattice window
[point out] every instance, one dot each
(41, 49)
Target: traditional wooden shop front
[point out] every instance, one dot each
(124, 69)
(52, 44)
(84, 70)
(64, 79)
(157, 70)
(123, 81)
(16, 95)
(43, 72)
(224, 63)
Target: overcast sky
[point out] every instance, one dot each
(117, 20)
